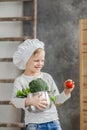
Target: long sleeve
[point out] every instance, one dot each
(17, 102)
(39, 117)
(60, 97)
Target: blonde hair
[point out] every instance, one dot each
(38, 51)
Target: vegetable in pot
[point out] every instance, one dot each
(23, 93)
(38, 85)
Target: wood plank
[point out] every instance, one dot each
(6, 59)
(16, 124)
(84, 43)
(35, 18)
(85, 101)
(84, 126)
(5, 103)
(85, 114)
(83, 91)
(84, 106)
(84, 36)
(15, 38)
(83, 21)
(6, 80)
(85, 119)
(13, 0)
(25, 18)
(83, 74)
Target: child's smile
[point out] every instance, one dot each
(35, 63)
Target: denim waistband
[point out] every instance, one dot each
(45, 126)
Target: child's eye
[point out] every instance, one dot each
(36, 60)
(39, 60)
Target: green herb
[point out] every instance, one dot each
(52, 98)
(23, 93)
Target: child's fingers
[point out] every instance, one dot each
(69, 84)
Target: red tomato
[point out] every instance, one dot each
(69, 84)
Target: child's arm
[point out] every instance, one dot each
(65, 95)
(26, 101)
(16, 101)
(36, 101)
(60, 98)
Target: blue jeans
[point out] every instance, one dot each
(53, 125)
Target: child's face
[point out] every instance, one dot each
(36, 62)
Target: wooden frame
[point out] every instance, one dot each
(83, 74)
(10, 19)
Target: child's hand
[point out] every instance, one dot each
(37, 101)
(69, 86)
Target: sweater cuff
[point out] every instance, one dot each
(19, 102)
(60, 99)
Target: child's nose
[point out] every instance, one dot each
(40, 63)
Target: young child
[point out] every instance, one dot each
(30, 57)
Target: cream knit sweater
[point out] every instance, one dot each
(39, 117)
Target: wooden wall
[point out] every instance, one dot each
(83, 74)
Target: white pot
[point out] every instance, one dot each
(44, 94)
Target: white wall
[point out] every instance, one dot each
(8, 70)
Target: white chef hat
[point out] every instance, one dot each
(24, 52)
